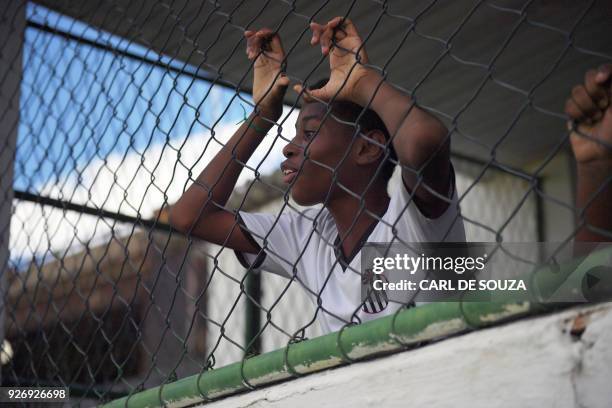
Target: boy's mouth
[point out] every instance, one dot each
(289, 173)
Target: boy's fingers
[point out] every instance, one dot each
(603, 73)
(283, 81)
(595, 89)
(338, 28)
(264, 39)
(349, 28)
(583, 101)
(325, 34)
(275, 43)
(335, 22)
(316, 33)
(332, 31)
(572, 110)
(250, 47)
(253, 47)
(264, 32)
(298, 88)
(253, 39)
(326, 40)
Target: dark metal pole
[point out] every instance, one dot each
(252, 287)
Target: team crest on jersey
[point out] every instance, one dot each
(374, 301)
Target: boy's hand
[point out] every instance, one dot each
(590, 107)
(269, 82)
(339, 39)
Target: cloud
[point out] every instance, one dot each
(138, 183)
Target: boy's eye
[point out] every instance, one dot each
(309, 134)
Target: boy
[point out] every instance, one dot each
(342, 156)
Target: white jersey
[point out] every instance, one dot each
(306, 243)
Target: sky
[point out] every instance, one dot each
(112, 132)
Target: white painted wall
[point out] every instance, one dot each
(489, 202)
(558, 200)
(534, 362)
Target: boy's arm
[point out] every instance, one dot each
(590, 108)
(199, 210)
(419, 138)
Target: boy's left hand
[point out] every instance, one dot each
(340, 40)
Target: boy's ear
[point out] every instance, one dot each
(370, 147)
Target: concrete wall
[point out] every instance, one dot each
(561, 360)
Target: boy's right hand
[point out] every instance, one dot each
(269, 81)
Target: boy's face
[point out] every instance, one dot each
(325, 152)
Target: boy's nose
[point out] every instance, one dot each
(290, 149)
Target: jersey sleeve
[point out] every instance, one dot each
(411, 225)
(279, 238)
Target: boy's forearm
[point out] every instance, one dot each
(594, 200)
(417, 135)
(214, 185)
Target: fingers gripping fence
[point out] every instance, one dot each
(111, 109)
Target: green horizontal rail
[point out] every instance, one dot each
(382, 336)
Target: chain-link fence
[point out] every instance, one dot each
(111, 109)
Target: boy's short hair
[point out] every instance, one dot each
(349, 112)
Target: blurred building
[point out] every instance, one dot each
(111, 315)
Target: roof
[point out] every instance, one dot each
(499, 71)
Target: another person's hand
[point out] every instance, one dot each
(590, 109)
(340, 40)
(269, 82)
